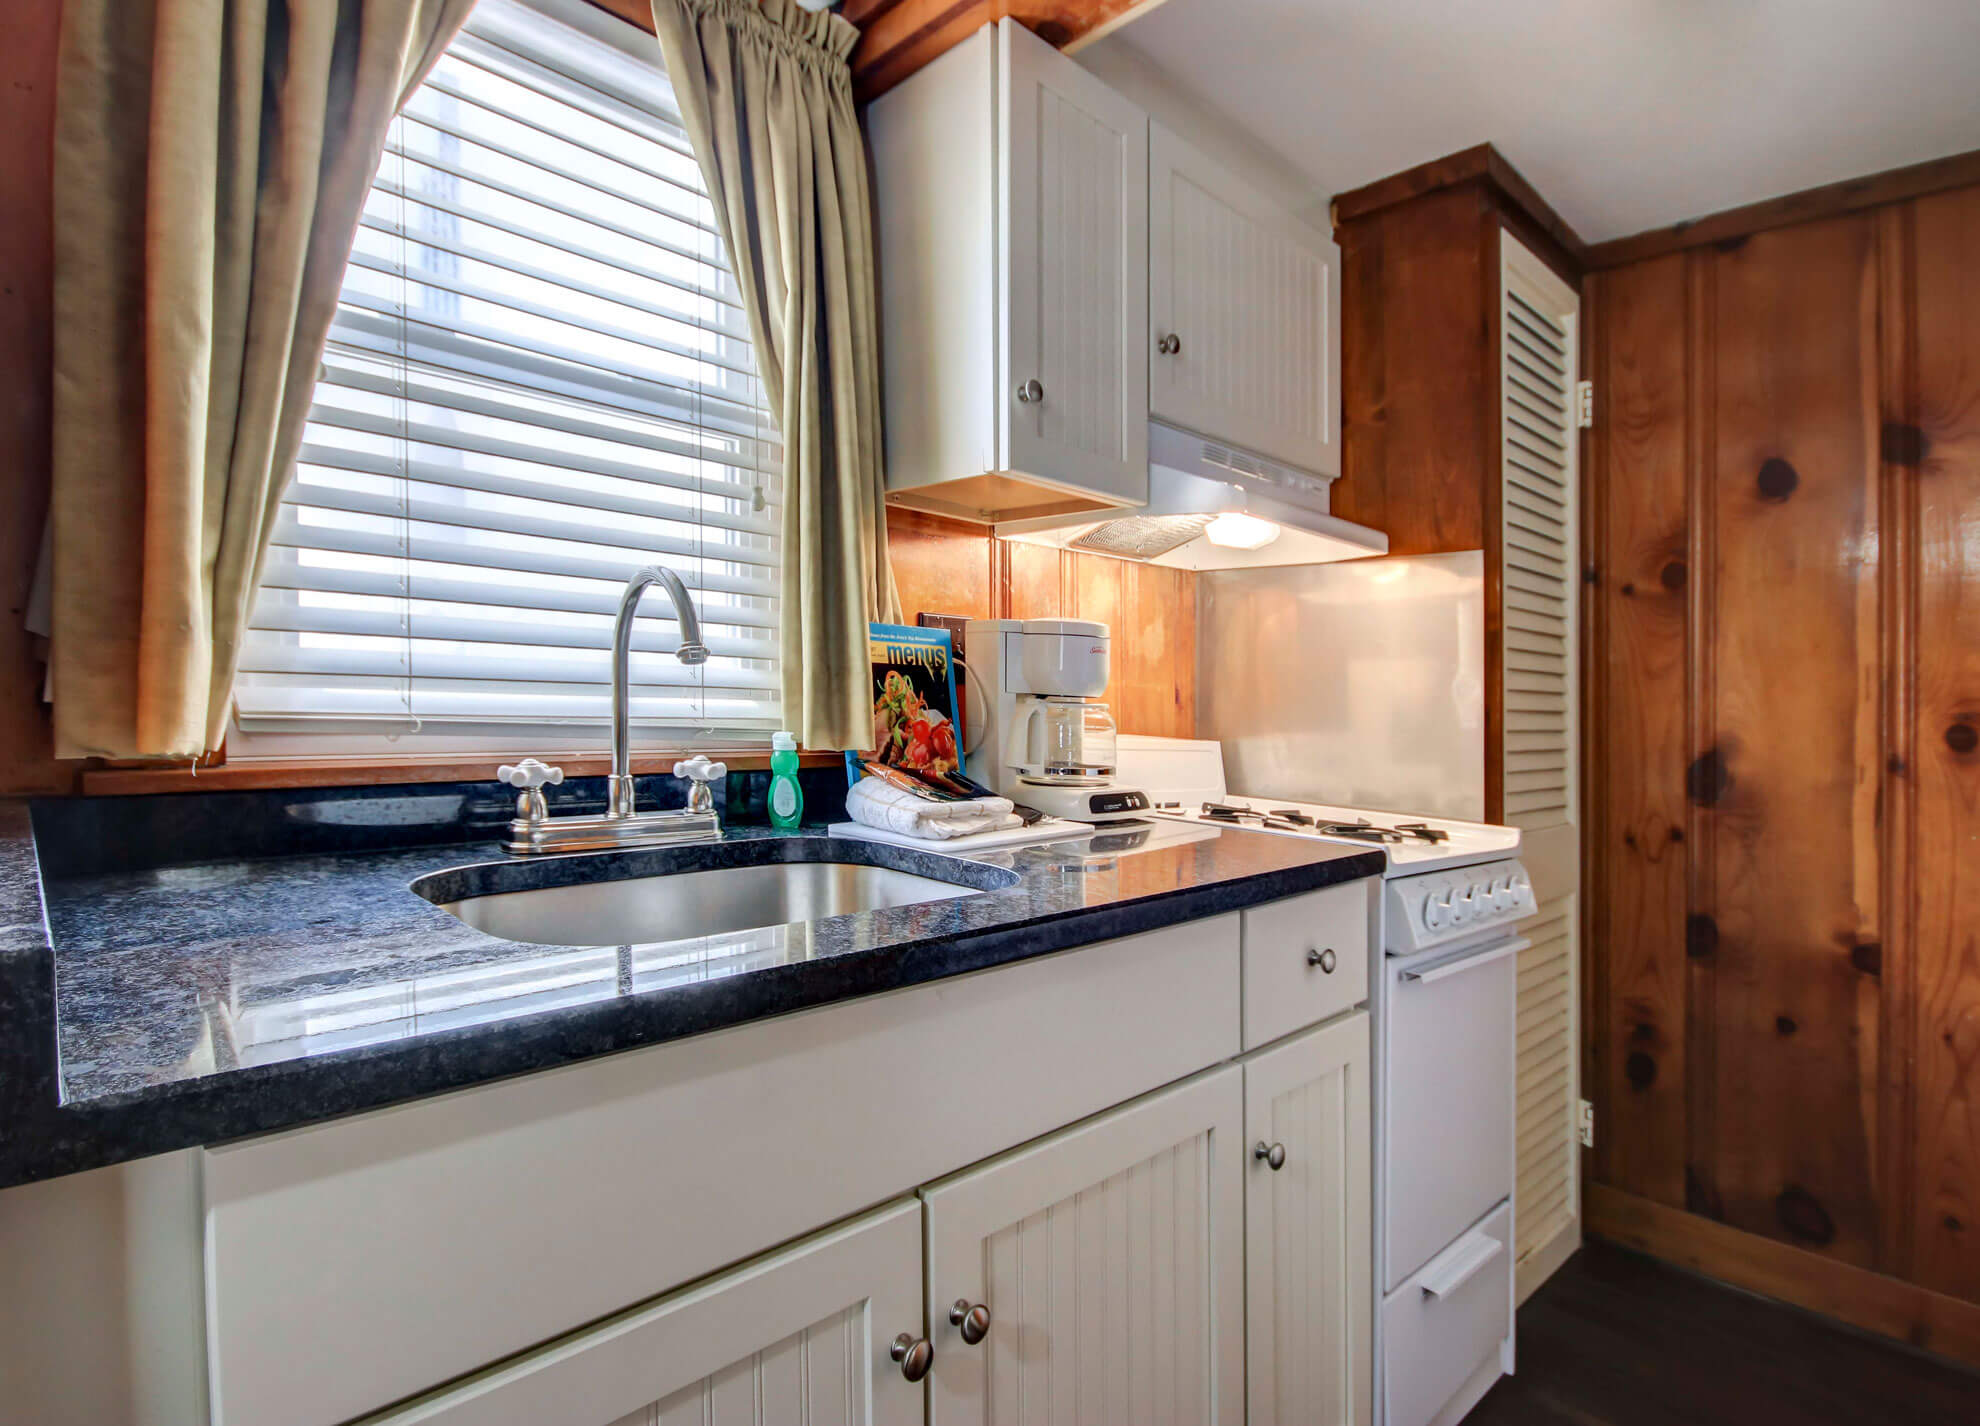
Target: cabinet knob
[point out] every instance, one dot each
(1326, 960)
(973, 1322)
(1029, 391)
(1169, 345)
(914, 1354)
(1274, 1155)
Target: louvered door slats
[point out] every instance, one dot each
(1538, 364)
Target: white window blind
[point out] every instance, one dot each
(539, 379)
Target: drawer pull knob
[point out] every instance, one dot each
(1273, 1155)
(1326, 960)
(914, 1354)
(1169, 345)
(1030, 391)
(973, 1322)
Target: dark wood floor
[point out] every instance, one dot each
(1615, 1339)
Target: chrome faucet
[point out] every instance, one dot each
(534, 830)
(619, 786)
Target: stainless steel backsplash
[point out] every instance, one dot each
(1360, 683)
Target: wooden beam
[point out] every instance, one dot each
(1829, 201)
(898, 37)
(1481, 163)
(1932, 1320)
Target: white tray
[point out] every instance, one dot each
(1051, 829)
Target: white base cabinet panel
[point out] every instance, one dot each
(1308, 1235)
(1110, 1258)
(802, 1338)
(353, 1263)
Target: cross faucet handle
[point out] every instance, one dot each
(699, 769)
(529, 774)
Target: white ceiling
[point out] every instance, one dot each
(1625, 114)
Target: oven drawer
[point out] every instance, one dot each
(1447, 1321)
(1306, 959)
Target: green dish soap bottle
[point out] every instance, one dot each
(786, 798)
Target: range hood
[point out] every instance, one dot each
(1213, 506)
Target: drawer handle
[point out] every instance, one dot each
(1169, 345)
(1030, 391)
(1464, 1265)
(973, 1322)
(914, 1354)
(1326, 960)
(1273, 1156)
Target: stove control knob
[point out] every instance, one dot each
(1436, 912)
(1461, 909)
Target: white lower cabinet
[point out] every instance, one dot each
(1109, 1262)
(802, 1338)
(1308, 1283)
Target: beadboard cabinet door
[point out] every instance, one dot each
(1243, 312)
(1072, 161)
(1110, 1260)
(801, 1338)
(1308, 1240)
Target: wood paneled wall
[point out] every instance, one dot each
(1783, 768)
(951, 567)
(27, 117)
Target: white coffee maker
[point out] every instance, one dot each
(1041, 735)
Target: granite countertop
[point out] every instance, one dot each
(151, 1008)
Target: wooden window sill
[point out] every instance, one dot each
(376, 771)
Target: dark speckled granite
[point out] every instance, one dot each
(199, 1002)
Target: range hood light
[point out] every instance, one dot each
(1233, 531)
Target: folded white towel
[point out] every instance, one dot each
(875, 802)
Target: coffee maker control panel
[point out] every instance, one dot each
(1113, 804)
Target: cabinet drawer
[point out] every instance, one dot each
(1289, 947)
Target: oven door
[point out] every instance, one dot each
(1447, 1113)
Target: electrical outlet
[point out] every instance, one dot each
(1585, 1122)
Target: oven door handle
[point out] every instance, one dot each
(1465, 963)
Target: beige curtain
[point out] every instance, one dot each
(767, 100)
(211, 160)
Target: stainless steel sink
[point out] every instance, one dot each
(683, 904)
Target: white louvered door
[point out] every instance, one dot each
(1073, 208)
(1309, 1243)
(797, 1339)
(1539, 318)
(1241, 300)
(1111, 1259)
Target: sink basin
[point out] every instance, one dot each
(622, 909)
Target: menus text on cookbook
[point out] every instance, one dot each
(914, 703)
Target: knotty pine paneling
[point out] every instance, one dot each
(1637, 614)
(1933, 441)
(1788, 768)
(27, 275)
(952, 567)
(1784, 742)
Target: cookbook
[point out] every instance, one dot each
(914, 711)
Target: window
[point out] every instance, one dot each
(539, 379)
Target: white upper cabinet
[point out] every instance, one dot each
(1012, 206)
(1243, 310)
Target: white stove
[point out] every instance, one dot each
(1442, 1008)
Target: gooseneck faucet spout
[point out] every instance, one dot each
(619, 786)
